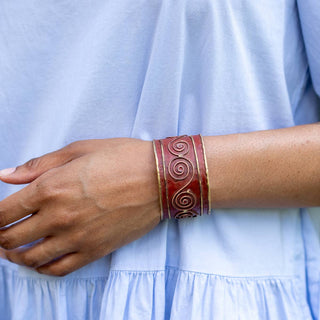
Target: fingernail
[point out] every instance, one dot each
(7, 171)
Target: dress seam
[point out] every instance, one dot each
(167, 268)
(258, 277)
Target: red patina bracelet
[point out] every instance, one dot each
(183, 177)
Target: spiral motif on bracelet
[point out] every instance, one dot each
(186, 214)
(180, 168)
(184, 200)
(178, 147)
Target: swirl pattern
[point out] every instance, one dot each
(180, 168)
(186, 214)
(178, 147)
(184, 200)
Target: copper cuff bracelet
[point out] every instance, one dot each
(183, 177)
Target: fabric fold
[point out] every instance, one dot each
(309, 11)
(161, 294)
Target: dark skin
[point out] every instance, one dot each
(94, 196)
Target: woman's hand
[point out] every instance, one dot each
(84, 201)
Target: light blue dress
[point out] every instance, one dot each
(76, 69)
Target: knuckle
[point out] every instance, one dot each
(72, 147)
(68, 219)
(33, 163)
(43, 191)
(47, 190)
(75, 149)
(62, 221)
(72, 144)
(6, 242)
(77, 240)
(58, 223)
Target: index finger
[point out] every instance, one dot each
(19, 204)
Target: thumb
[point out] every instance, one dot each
(35, 167)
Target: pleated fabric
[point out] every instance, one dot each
(162, 294)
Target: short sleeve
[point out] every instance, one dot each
(309, 12)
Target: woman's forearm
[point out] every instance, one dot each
(271, 168)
